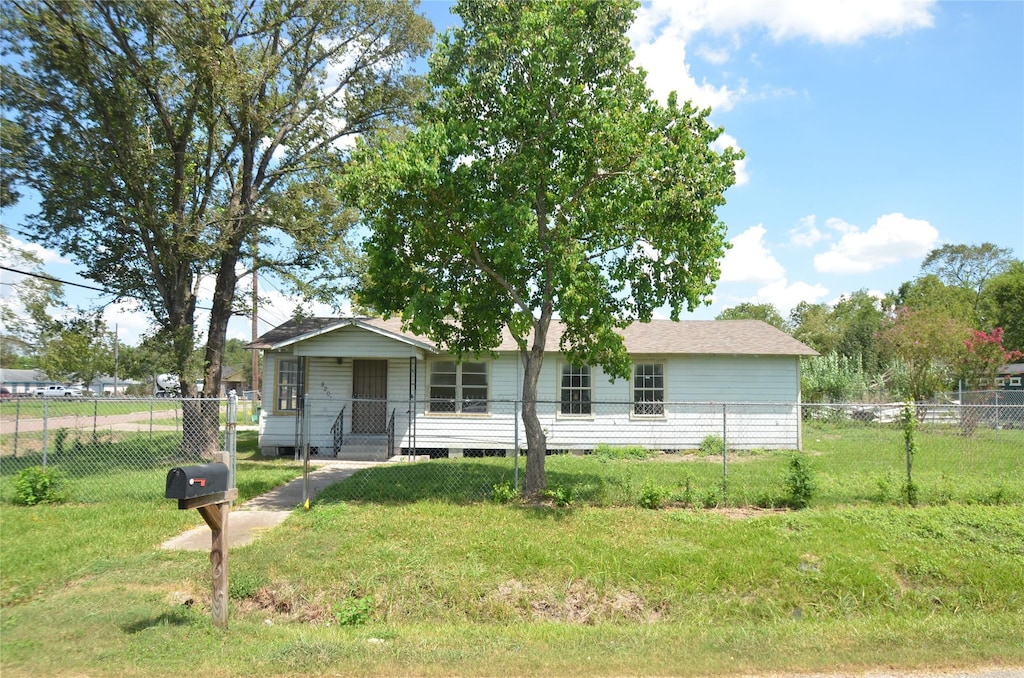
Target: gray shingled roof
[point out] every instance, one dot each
(721, 337)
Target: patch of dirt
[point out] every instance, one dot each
(578, 603)
(284, 604)
(735, 457)
(745, 512)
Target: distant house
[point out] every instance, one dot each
(232, 379)
(1010, 377)
(24, 382)
(363, 387)
(106, 385)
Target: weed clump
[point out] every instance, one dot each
(36, 485)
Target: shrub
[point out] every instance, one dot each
(605, 451)
(710, 498)
(684, 494)
(242, 585)
(503, 493)
(800, 485)
(712, 445)
(36, 485)
(652, 497)
(59, 440)
(562, 496)
(353, 611)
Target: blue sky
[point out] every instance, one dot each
(873, 132)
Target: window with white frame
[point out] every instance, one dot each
(575, 390)
(287, 387)
(649, 389)
(1014, 381)
(458, 387)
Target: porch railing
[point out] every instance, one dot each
(338, 432)
(391, 435)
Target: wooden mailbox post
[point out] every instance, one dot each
(205, 488)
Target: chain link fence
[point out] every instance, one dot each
(114, 448)
(687, 454)
(968, 448)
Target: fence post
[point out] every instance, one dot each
(231, 436)
(46, 423)
(515, 442)
(305, 453)
(725, 456)
(17, 421)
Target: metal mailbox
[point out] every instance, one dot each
(196, 481)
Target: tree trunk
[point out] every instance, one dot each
(201, 417)
(536, 439)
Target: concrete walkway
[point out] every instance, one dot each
(259, 514)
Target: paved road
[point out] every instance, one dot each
(80, 421)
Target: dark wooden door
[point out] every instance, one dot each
(369, 397)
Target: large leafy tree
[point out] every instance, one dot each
(751, 311)
(848, 328)
(812, 324)
(77, 349)
(858, 316)
(926, 347)
(175, 139)
(1004, 295)
(543, 180)
(28, 301)
(930, 293)
(968, 267)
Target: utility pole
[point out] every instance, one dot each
(255, 326)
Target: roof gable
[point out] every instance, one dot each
(299, 330)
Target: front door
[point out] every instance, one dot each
(369, 397)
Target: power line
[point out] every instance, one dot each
(99, 289)
(56, 280)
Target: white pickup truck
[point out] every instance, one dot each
(56, 391)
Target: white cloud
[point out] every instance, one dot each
(714, 55)
(749, 260)
(44, 255)
(785, 296)
(664, 59)
(806, 234)
(663, 29)
(892, 238)
(130, 319)
(826, 21)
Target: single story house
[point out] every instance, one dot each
(24, 382)
(359, 387)
(107, 385)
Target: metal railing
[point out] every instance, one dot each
(338, 432)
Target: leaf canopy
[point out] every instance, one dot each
(542, 180)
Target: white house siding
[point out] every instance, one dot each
(696, 387)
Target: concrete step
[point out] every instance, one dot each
(374, 452)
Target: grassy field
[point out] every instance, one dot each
(423, 576)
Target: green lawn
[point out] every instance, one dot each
(421, 576)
